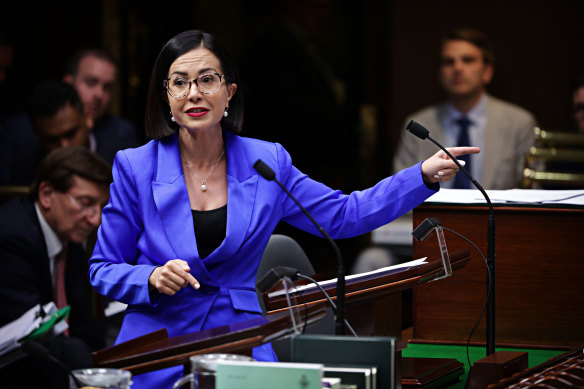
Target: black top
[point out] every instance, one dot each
(210, 229)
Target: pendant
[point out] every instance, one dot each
(203, 187)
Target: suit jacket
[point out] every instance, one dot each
(148, 221)
(20, 151)
(25, 279)
(113, 133)
(509, 135)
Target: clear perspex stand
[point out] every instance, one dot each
(423, 231)
(295, 315)
(447, 269)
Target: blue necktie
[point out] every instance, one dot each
(461, 181)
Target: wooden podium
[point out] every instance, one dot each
(539, 273)
(156, 350)
(367, 295)
(367, 299)
(373, 308)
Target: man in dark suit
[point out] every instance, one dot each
(53, 223)
(92, 72)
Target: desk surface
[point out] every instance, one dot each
(511, 197)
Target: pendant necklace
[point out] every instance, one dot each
(203, 186)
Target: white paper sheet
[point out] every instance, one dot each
(333, 281)
(511, 196)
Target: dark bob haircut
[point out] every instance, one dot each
(157, 121)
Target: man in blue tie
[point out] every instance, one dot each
(471, 116)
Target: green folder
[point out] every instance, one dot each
(48, 324)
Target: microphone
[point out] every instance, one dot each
(266, 172)
(417, 129)
(334, 307)
(422, 133)
(41, 353)
(425, 228)
(275, 273)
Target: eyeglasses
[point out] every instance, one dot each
(180, 87)
(89, 210)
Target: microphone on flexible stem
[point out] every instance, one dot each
(266, 172)
(274, 274)
(422, 133)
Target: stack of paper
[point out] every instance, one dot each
(30, 324)
(510, 196)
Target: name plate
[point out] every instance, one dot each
(267, 375)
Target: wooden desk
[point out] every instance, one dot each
(539, 276)
(156, 350)
(370, 298)
(371, 302)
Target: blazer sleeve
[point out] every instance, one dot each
(349, 215)
(525, 138)
(113, 267)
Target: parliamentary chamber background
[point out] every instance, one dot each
(338, 110)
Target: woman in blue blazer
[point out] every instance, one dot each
(189, 218)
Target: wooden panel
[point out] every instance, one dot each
(156, 350)
(430, 373)
(539, 273)
(563, 371)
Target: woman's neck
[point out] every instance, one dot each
(200, 149)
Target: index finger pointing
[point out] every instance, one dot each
(191, 280)
(456, 151)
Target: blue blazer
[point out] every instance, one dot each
(148, 221)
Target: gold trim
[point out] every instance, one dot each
(553, 176)
(550, 138)
(7, 191)
(555, 154)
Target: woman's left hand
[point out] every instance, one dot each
(440, 167)
(172, 277)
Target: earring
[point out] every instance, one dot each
(225, 114)
(172, 117)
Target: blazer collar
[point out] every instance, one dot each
(493, 137)
(172, 202)
(169, 167)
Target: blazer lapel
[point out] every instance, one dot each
(172, 202)
(241, 194)
(492, 140)
(438, 133)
